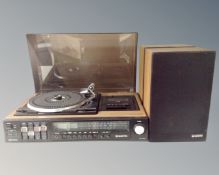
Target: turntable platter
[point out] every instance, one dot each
(56, 101)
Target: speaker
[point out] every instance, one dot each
(176, 91)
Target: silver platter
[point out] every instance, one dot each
(56, 101)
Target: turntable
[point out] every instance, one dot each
(61, 102)
(84, 90)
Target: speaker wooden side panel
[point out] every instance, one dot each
(141, 72)
(180, 94)
(147, 82)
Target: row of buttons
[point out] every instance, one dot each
(36, 130)
(80, 136)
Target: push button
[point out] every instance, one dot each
(44, 135)
(30, 135)
(43, 128)
(69, 137)
(37, 135)
(64, 136)
(79, 137)
(74, 137)
(89, 136)
(84, 137)
(23, 129)
(24, 136)
(37, 128)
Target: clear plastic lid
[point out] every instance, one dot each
(73, 61)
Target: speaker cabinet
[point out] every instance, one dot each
(176, 91)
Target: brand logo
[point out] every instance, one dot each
(197, 135)
(121, 136)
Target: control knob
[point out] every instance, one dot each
(139, 129)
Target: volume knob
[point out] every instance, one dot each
(139, 129)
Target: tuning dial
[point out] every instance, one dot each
(139, 129)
